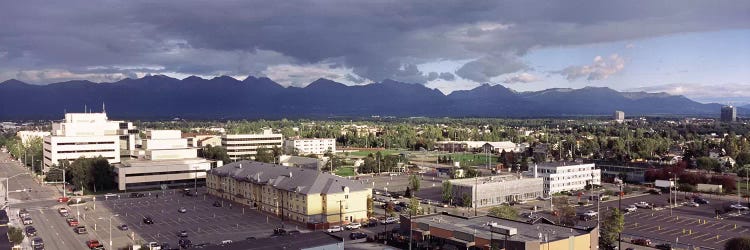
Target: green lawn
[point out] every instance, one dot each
(363, 153)
(473, 159)
(345, 171)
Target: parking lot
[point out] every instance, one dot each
(203, 222)
(683, 226)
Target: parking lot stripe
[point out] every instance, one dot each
(699, 236)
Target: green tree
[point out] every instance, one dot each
(466, 199)
(414, 183)
(737, 243)
(448, 192)
(708, 164)
(91, 173)
(414, 207)
(218, 153)
(504, 211)
(567, 215)
(15, 235)
(370, 207)
(612, 226)
(264, 155)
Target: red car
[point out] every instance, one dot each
(93, 244)
(72, 222)
(63, 199)
(642, 242)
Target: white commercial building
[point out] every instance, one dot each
(164, 159)
(495, 190)
(88, 135)
(566, 176)
(245, 146)
(26, 135)
(305, 146)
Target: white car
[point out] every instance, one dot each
(352, 226)
(182, 210)
(154, 246)
(334, 229)
(631, 208)
(642, 204)
(692, 204)
(738, 207)
(590, 213)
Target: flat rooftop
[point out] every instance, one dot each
(299, 241)
(488, 179)
(478, 226)
(559, 164)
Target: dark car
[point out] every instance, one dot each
(217, 204)
(30, 231)
(191, 193)
(182, 234)
(202, 245)
(185, 243)
(357, 235)
(37, 243)
(641, 241)
(700, 200)
(654, 191)
(148, 220)
(123, 227)
(137, 195)
(664, 246)
(80, 230)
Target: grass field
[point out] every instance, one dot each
(364, 153)
(473, 159)
(345, 171)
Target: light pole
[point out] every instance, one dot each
(7, 184)
(110, 228)
(619, 206)
(63, 178)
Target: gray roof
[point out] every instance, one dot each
(295, 179)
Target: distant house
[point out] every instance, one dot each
(724, 160)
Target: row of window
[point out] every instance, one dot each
(85, 143)
(85, 151)
(166, 172)
(252, 144)
(251, 139)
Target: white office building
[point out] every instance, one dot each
(245, 146)
(566, 176)
(88, 135)
(306, 146)
(164, 159)
(495, 190)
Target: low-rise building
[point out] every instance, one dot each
(26, 135)
(630, 174)
(495, 190)
(446, 231)
(566, 176)
(297, 194)
(302, 162)
(164, 159)
(306, 146)
(245, 146)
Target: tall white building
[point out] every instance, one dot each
(305, 146)
(88, 135)
(566, 176)
(165, 158)
(619, 116)
(245, 146)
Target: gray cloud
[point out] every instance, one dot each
(521, 78)
(376, 40)
(447, 76)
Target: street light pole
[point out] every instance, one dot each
(619, 205)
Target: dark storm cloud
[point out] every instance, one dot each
(375, 39)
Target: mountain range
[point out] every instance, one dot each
(160, 97)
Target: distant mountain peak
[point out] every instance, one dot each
(324, 83)
(13, 82)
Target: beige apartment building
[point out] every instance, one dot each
(292, 193)
(245, 146)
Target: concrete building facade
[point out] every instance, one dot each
(305, 146)
(298, 194)
(163, 159)
(495, 190)
(446, 231)
(245, 146)
(619, 116)
(89, 135)
(566, 176)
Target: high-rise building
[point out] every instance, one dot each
(88, 135)
(728, 114)
(619, 116)
(245, 146)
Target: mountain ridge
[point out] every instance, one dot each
(223, 97)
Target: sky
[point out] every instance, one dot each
(700, 49)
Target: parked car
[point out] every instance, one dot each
(700, 200)
(30, 231)
(153, 246)
(352, 226)
(80, 230)
(664, 246)
(692, 204)
(643, 204)
(23, 213)
(93, 243)
(137, 195)
(738, 207)
(590, 213)
(334, 229)
(182, 210)
(654, 191)
(148, 220)
(389, 220)
(357, 235)
(109, 195)
(27, 220)
(182, 234)
(123, 227)
(37, 243)
(185, 243)
(641, 241)
(631, 208)
(217, 204)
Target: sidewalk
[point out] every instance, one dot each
(16, 222)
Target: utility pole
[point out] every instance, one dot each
(341, 220)
(619, 205)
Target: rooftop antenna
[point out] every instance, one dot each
(85, 109)
(104, 108)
